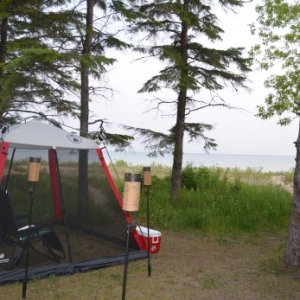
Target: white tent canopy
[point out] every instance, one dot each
(37, 135)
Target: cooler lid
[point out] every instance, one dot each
(144, 231)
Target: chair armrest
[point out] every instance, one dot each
(22, 222)
(35, 228)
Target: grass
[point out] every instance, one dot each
(212, 200)
(229, 207)
(190, 265)
(218, 201)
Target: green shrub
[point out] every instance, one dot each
(203, 178)
(212, 203)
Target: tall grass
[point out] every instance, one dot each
(212, 202)
(212, 199)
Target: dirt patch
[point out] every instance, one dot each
(225, 268)
(189, 266)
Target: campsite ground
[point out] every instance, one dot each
(189, 266)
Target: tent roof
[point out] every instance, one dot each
(37, 135)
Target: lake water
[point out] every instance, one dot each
(264, 162)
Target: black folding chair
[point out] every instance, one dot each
(17, 233)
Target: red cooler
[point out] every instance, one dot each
(154, 239)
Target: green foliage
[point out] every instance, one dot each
(278, 28)
(119, 141)
(196, 131)
(212, 199)
(210, 202)
(43, 48)
(175, 31)
(94, 35)
(34, 68)
(20, 196)
(122, 167)
(202, 178)
(158, 143)
(203, 67)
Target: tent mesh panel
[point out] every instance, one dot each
(93, 219)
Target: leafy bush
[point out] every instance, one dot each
(202, 178)
(212, 203)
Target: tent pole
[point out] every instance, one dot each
(9, 169)
(66, 229)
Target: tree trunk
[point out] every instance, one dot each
(292, 252)
(180, 120)
(85, 70)
(3, 42)
(84, 112)
(178, 147)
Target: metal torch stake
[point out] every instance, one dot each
(126, 261)
(24, 284)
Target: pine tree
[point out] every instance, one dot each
(44, 46)
(35, 76)
(192, 67)
(94, 38)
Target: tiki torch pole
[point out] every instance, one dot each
(33, 178)
(130, 204)
(147, 185)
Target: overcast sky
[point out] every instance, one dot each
(235, 131)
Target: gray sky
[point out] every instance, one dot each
(235, 131)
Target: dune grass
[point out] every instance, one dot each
(216, 200)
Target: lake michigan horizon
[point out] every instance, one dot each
(265, 163)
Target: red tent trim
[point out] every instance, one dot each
(4, 146)
(55, 185)
(112, 184)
